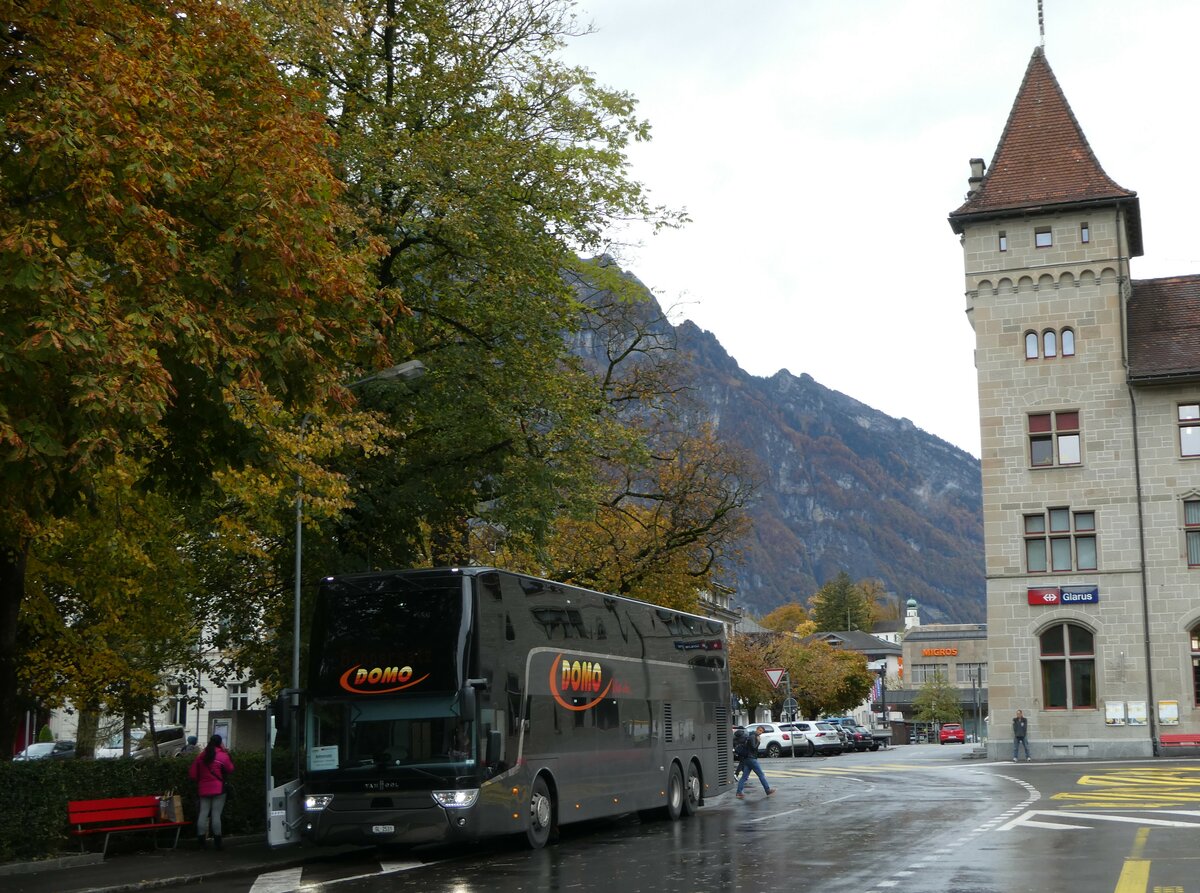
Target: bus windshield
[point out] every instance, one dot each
(386, 635)
(414, 733)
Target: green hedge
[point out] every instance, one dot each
(33, 822)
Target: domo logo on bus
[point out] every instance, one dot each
(378, 680)
(571, 678)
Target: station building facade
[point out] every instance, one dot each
(1089, 399)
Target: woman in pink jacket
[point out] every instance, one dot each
(210, 770)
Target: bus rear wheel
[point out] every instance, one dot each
(675, 793)
(691, 789)
(541, 815)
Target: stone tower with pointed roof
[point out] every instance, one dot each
(1089, 398)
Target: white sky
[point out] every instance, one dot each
(820, 146)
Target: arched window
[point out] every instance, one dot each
(1196, 663)
(1068, 342)
(1068, 656)
(1031, 345)
(1049, 343)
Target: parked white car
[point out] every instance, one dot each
(823, 735)
(775, 739)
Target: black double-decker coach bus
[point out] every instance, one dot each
(456, 704)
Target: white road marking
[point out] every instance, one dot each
(285, 881)
(1030, 818)
(389, 867)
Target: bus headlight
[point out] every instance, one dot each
(456, 799)
(317, 802)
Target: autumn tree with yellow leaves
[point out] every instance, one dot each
(172, 249)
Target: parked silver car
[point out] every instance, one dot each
(48, 750)
(169, 739)
(114, 747)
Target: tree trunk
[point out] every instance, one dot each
(12, 593)
(86, 732)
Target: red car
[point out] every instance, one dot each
(953, 733)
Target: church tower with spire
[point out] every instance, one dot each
(1090, 434)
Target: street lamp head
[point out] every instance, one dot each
(407, 372)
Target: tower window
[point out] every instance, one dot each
(1067, 544)
(1054, 439)
(1085, 233)
(1042, 237)
(1003, 240)
(1189, 429)
(1031, 346)
(1191, 530)
(1049, 343)
(1195, 636)
(1068, 658)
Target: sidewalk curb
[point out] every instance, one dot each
(180, 880)
(56, 864)
(257, 861)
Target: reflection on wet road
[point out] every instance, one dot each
(909, 820)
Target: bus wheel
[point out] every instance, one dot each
(691, 789)
(541, 815)
(675, 793)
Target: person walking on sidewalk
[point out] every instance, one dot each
(750, 764)
(1020, 731)
(210, 770)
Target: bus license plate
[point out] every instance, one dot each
(383, 829)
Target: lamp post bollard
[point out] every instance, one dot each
(408, 372)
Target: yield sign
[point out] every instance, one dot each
(775, 675)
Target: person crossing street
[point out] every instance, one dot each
(750, 764)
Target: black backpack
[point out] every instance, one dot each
(741, 744)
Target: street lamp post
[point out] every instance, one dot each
(407, 372)
(976, 685)
(883, 695)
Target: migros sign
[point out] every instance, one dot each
(940, 652)
(378, 680)
(574, 678)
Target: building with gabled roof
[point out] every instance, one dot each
(1089, 398)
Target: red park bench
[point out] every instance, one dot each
(118, 815)
(1179, 739)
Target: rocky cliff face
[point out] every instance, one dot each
(843, 487)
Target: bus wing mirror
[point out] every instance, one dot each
(467, 697)
(281, 707)
(466, 702)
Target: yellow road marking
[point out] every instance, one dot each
(1139, 843)
(1146, 788)
(1135, 875)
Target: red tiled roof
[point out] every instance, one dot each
(1164, 328)
(1043, 158)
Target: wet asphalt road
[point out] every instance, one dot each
(914, 818)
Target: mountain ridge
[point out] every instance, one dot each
(843, 486)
